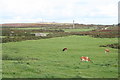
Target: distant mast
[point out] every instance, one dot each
(73, 24)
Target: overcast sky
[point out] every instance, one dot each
(82, 11)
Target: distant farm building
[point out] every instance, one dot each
(40, 34)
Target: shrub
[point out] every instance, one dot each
(115, 45)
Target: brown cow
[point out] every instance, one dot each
(107, 50)
(85, 59)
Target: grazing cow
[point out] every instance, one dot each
(85, 59)
(64, 49)
(107, 50)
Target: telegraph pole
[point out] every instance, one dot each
(73, 24)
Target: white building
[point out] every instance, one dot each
(40, 34)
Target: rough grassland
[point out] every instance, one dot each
(45, 59)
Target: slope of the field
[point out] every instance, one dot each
(45, 59)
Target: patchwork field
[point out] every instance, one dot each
(44, 58)
(66, 30)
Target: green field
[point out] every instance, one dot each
(77, 30)
(0, 61)
(44, 58)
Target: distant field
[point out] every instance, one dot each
(26, 28)
(76, 30)
(44, 58)
(2, 36)
(66, 30)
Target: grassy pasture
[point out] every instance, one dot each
(0, 61)
(44, 58)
